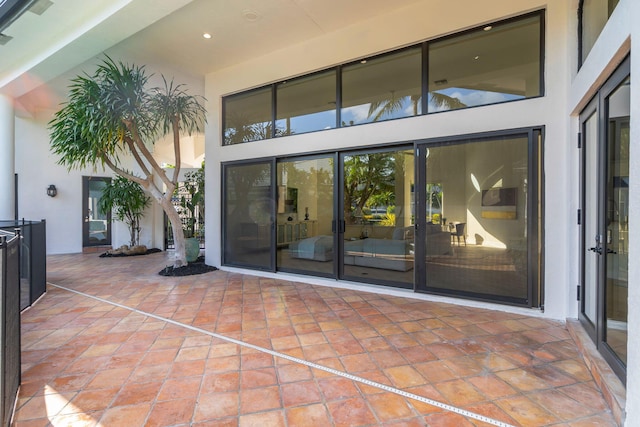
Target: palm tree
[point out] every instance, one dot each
(112, 113)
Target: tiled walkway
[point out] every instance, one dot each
(137, 349)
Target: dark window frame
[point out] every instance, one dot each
(425, 67)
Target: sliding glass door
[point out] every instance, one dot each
(377, 232)
(456, 216)
(248, 215)
(305, 216)
(477, 219)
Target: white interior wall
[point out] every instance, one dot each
(404, 27)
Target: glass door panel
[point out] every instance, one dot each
(96, 227)
(617, 217)
(305, 214)
(377, 207)
(605, 198)
(591, 233)
(248, 215)
(475, 219)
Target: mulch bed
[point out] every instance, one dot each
(196, 267)
(149, 251)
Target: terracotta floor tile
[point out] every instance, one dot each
(491, 386)
(135, 393)
(259, 399)
(435, 371)
(171, 412)
(389, 406)
(560, 405)
(447, 419)
(125, 416)
(95, 362)
(523, 380)
(311, 415)
(220, 382)
(337, 388)
(216, 406)
(222, 364)
(300, 393)
(526, 412)
(459, 392)
(180, 388)
(91, 401)
(187, 369)
(351, 412)
(405, 376)
(258, 378)
(292, 373)
(264, 419)
(109, 378)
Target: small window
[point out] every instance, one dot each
(382, 88)
(594, 15)
(248, 116)
(306, 104)
(496, 63)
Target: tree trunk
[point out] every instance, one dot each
(164, 200)
(178, 233)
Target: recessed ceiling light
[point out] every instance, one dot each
(250, 15)
(488, 28)
(206, 35)
(476, 57)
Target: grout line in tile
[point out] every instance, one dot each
(385, 387)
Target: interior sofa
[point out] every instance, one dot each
(395, 252)
(389, 254)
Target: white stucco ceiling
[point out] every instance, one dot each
(163, 32)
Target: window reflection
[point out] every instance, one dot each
(306, 104)
(378, 214)
(493, 64)
(247, 117)
(476, 233)
(247, 215)
(383, 88)
(305, 215)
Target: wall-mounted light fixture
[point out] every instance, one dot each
(52, 191)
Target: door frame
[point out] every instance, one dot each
(598, 106)
(534, 212)
(85, 218)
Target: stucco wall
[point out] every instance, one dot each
(404, 27)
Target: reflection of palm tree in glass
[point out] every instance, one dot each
(393, 104)
(365, 176)
(241, 127)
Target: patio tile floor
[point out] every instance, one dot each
(132, 348)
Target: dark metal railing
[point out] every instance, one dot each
(33, 258)
(10, 318)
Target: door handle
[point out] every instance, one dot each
(611, 251)
(597, 250)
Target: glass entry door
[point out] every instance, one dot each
(96, 225)
(605, 203)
